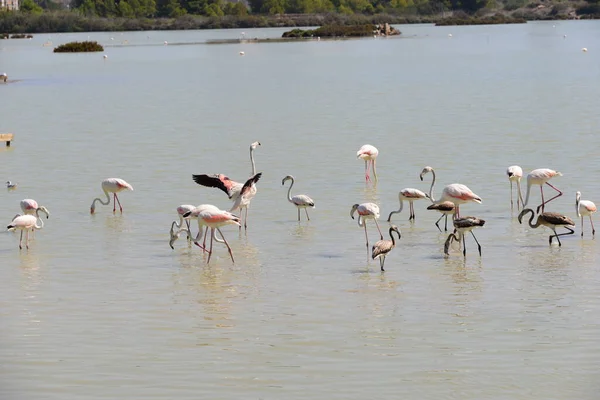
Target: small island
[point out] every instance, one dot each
(79, 47)
(343, 31)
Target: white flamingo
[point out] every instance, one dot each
(366, 211)
(299, 200)
(410, 195)
(585, 208)
(539, 177)
(31, 207)
(215, 218)
(369, 154)
(114, 186)
(515, 173)
(25, 223)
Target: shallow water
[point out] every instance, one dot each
(101, 307)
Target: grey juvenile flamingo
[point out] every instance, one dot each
(552, 220)
(462, 225)
(382, 248)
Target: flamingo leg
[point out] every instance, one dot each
(245, 220)
(205, 235)
(26, 239)
(114, 202)
(118, 201)
(382, 262)
(511, 196)
(306, 211)
(374, 170)
(366, 171)
(189, 230)
(476, 241)
(366, 237)
(21, 240)
(582, 225)
(212, 234)
(457, 213)
(446, 224)
(545, 202)
(298, 214)
(226, 244)
(520, 194)
(377, 224)
(439, 219)
(593, 229)
(462, 236)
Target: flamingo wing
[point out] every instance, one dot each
(248, 185)
(219, 181)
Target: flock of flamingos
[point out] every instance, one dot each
(453, 195)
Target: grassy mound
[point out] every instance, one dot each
(79, 47)
(333, 31)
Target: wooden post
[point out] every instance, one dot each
(6, 137)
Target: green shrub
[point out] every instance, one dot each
(78, 47)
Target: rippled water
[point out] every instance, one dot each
(101, 307)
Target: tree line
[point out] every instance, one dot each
(141, 9)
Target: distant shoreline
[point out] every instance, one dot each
(69, 22)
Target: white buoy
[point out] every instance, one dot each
(242, 53)
(449, 35)
(105, 56)
(564, 36)
(166, 42)
(584, 49)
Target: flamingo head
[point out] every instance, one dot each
(425, 171)
(287, 178)
(45, 211)
(254, 145)
(92, 209)
(353, 210)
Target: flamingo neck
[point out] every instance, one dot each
(100, 200)
(399, 209)
(537, 223)
(432, 185)
(252, 161)
(289, 194)
(527, 195)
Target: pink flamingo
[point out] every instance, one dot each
(30, 207)
(539, 177)
(515, 173)
(585, 207)
(458, 194)
(114, 186)
(369, 154)
(182, 209)
(25, 223)
(232, 188)
(214, 218)
(410, 195)
(193, 213)
(366, 211)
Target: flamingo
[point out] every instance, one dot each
(231, 188)
(515, 173)
(114, 186)
(11, 185)
(585, 207)
(214, 218)
(25, 223)
(459, 194)
(300, 200)
(30, 207)
(552, 220)
(193, 213)
(446, 208)
(369, 154)
(539, 177)
(383, 247)
(366, 211)
(462, 225)
(182, 209)
(246, 195)
(410, 195)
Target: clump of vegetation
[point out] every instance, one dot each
(333, 31)
(3, 35)
(21, 36)
(79, 47)
(489, 20)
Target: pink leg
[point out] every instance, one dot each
(212, 234)
(377, 225)
(367, 178)
(227, 244)
(117, 197)
(558, 195)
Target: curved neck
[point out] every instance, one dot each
(41, 222)
(401, 207)
(537, 223)
(577, 201)
(432, 185)
(392, 236)
(252, 161)
(289, 195)
(37, 213)
(100, 200)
